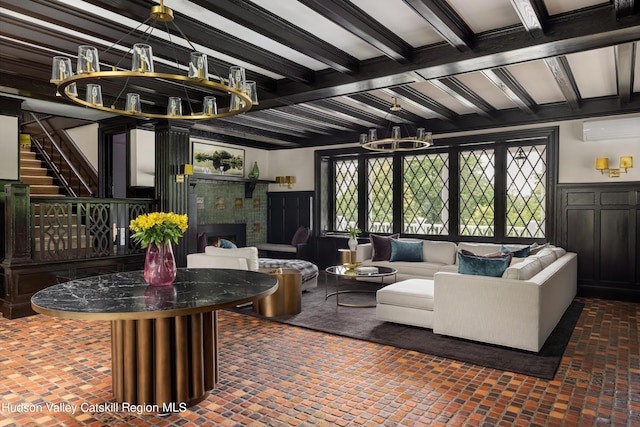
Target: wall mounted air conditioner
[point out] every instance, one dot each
(605, 129)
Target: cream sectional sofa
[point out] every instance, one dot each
(519, 309)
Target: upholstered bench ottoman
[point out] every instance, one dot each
(409, 302)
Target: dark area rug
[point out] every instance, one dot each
(323, 315)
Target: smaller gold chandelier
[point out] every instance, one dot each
(243, 93)
(396, 142)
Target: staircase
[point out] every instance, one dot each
(56, 228)
(35, 175)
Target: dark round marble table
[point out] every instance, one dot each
(163, 339)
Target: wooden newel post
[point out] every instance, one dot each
(17, 243)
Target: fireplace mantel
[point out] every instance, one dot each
(249, 184)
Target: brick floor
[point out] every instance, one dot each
(278, 375)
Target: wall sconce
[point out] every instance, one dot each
(186, 169)
(286, 180)
(602, 164)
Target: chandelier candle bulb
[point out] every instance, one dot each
(198, 66)
(209, 106)
(88, 60)
(142, 58)
(94, 94)
(175, 106)
(133, 103)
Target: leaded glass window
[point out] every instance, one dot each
(425, 204)
(380, 195)
(526, 191)
(346, 192)
(477, 184)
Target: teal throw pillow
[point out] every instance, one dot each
(480, 266)
(406, 251)
(519, 253)
(226, 244)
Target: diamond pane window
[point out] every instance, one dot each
(346, 191)
(526, 192)
(477, 184)
(425, 204)
(380, 195)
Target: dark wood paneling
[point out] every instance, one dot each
(601, 223)
(615, 264)
(581, 240)
(287, 211)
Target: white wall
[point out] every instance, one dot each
(142, 158)
(86, 138)
(9, 146)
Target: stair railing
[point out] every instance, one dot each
(83, 228)
(54, 166)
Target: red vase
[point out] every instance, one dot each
(159, 265)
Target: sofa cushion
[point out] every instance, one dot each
(226, 244)
(523, 270)
(481, 266)
(381, 246)
(546, 256)
(439, 252)
(250, 253)
(405, 251)
(479, 248)
(209, 261)
(518, 253)
(301, 236)
(413, 293)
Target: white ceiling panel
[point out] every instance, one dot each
(485, 15)
(536, 78)
(555, 7)
(478, 83)
(403, 21)
(595, 72)
(305, 18)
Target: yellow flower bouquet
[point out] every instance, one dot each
(158, 227)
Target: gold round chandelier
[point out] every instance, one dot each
(243, 93)
(395, 141)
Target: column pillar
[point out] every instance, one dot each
(173, 148)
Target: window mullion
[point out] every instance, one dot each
(500, 192)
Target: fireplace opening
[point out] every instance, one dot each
(210, 234)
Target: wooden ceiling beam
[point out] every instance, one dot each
(354, 20)
(570, 33)
(507, 84)
(625, 63)
(559, 67)
(272, 26)
(445, 21)
(533, 15)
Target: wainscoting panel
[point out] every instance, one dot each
(601, 224)
(287, 211)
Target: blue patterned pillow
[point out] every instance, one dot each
(226, 244)
(406, 251)
(480, 266)
(519, 253)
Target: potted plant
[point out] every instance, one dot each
(353, 232)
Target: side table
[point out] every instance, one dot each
(287, 299)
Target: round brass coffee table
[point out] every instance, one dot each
(342, 272)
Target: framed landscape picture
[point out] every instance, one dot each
(209, 158)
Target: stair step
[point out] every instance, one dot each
(42, 190)
(63, 218)
(32, 171)
(27, 155)
(36, 180)
(31, 163)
